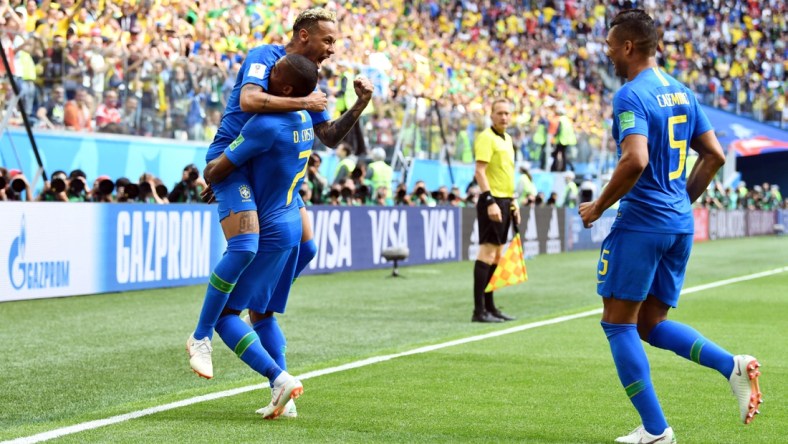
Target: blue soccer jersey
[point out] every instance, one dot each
(256, 69)
(667, 113)
(274, 149)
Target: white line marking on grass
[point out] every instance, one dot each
(57, 433)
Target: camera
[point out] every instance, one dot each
(362, 192)
(106, 187)
(193, 175)
(145, 188)
(436, 195)
(58, 185)
(401, 193)
(18, 185)
(162, 191)
(76, 186)
(2, 182)
(132, 191)
(334, 193)
(346, 193)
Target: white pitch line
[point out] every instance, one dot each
(81, 427)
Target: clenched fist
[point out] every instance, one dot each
(363, 88)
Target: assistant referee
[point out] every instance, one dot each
(494, 153)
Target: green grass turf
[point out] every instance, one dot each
(76, 359)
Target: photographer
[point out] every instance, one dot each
(441, 196)
(189, 188)
(77, 190)
(317, 182)
(3, 183)
(334, 195)
(420, 196)
(55, 188)
(401, 197)
(14, 184)
(347, 190)
(152, 190)
(361, 197)
(382, 197)
(125, 191)
(102, 190)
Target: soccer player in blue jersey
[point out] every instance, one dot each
(273, 150)
(314, 34)
(643, 259)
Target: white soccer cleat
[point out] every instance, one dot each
(285, 389)
(200, 356)
(745, 387)
(289, 411)
(641, 436)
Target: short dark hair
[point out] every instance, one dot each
(302, 74)
(638, 27)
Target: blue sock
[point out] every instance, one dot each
(273, 340)
(635, 375)
(244, 342)
(306, 252)
(241, 249)
(688, 343)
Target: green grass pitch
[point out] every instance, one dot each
(71, 360)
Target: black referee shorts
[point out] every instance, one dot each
(496, 233)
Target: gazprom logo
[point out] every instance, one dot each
(34, 274)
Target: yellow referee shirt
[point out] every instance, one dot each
(498, 152)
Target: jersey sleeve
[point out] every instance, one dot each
(483, 148)
(319, 117)
(702, 123)
(630, 114)
(256, 69)
(255, 139)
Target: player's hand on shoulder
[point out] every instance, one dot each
(589, 213)
(363, 88)
(316, 102)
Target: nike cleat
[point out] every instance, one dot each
(745, 386)
(641, 436)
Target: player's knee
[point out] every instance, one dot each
(244, 246)
(307, 251)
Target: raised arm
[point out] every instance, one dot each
(331, 133)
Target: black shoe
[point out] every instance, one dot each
(484, 317)
(502, 316)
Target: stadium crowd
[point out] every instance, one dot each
(165, 67)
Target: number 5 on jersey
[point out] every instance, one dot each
(680, 145)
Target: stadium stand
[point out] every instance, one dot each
(164, 68)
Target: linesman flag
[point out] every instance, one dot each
(511, 269)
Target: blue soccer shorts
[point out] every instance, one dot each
(255, 288)
(634, 264)
(234, 194)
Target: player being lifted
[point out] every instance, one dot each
(314, 35)
(271, 150)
